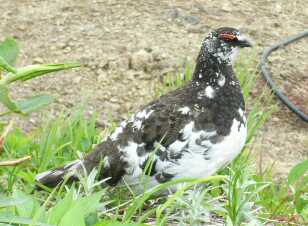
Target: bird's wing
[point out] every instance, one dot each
(164, 124)
(128, 148)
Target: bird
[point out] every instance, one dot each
(190, 132)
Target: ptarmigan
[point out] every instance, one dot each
(190, 132)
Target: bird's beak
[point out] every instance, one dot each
(244, 42)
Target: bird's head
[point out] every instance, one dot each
(224, 43)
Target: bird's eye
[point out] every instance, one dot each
(228, 37)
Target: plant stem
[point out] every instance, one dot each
(6, 66)
(15, 162)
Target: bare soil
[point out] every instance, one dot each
(126, 47)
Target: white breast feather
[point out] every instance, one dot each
(195, 164)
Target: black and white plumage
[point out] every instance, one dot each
(194, 130)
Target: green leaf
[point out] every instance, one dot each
(90, 203)
(21, 220)
(297, 171)
(60, 209)
(9, 50)
(5, 224)
(74, 216)
(8, 201)
(79, 209)
(116, 223)
(23, 106)
(27, 205)
(34, 103)
(8, 54)
(91, 219)
(33, 71)
(6, 100)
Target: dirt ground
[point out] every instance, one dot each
(126, 47)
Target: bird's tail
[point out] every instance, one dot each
(69, 172)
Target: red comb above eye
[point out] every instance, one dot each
(227, 37)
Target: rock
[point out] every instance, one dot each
(71, 44)
(61, 45)
(102, 61)
(113, 65)
(132, 75)
(198, 28)
(22, 28)
(123, 61)
(119, 63)
(141, 60)
(226, 7)
(158, 54)
(52, 47)
(76, 80)
(114, 100)
(190, 19)
(276, 24)
(38, 60)
(198, 7)
(172, 13)
(67, 49)
(92, 64)
(102, 75)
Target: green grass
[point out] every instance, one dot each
(238, 195)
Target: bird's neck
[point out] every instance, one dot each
(211, 69)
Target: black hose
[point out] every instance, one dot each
(267, 76)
